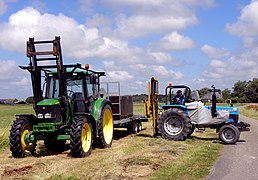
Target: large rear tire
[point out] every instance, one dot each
(174, 124)
(229, 134)
(106, 128)
(18, 144)
(81, 138)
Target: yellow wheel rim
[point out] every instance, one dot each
(86, 137)
(108, 126)
(26, 146)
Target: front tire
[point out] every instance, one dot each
(229, 134)
(106, 128)
(81, 138)
(18, 144)
(174, 124)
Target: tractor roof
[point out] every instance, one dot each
(75, 71)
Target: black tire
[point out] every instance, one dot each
(18, 145)
(174, 124)
(105, 128)
(229, 134)
(81, 143)
(192, 128)
(134, 127)
(139, 126)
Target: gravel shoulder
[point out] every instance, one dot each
(239, 161)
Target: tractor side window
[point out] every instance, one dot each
(91, 88)
(53, 88)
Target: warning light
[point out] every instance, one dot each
(87, 66)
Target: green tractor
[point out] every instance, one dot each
(67, 105)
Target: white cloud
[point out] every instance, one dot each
(119, 76)
(161, 57)
(3, 6)
(142, 25)
(247, 23)
(162, 71)
(77, 40)
(198, 80)
(172, 41)
(14, 82)
(155, 16)
(218, 64)
(242, 67)
(213, 52)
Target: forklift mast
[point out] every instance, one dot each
(35, 70)
(151, 105)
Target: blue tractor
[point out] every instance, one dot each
(183, 112)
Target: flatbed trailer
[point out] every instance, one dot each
(122, 108)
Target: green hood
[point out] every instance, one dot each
(49, 102)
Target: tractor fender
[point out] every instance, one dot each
(31, 117)
(220, 125)
(175, 106)
(97, 112)
(99, 106)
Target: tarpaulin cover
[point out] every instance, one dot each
(202, 116)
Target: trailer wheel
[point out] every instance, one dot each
(229, 134)
(139, 126)
(174, 124)
(81, 137)
(106, 129)
(18, 144)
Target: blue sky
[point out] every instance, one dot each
(181, 41)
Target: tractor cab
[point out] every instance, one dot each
(177, 96)
(81, 87)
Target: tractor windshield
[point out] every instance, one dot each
(74, 85)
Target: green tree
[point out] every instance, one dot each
(204, 91)
(30, 100)
(239, 91)
(252, 91)
(226, 94)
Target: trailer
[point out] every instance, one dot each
(122, 108)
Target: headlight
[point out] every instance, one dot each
(40, 116)
(49, 115)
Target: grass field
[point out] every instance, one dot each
(131, 157)
(250, 111)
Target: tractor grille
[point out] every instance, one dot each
(55, 112)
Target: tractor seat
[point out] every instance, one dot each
(79, 105)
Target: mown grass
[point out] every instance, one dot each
(131, 157)
(250, 111)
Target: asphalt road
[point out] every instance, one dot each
(239, 161)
